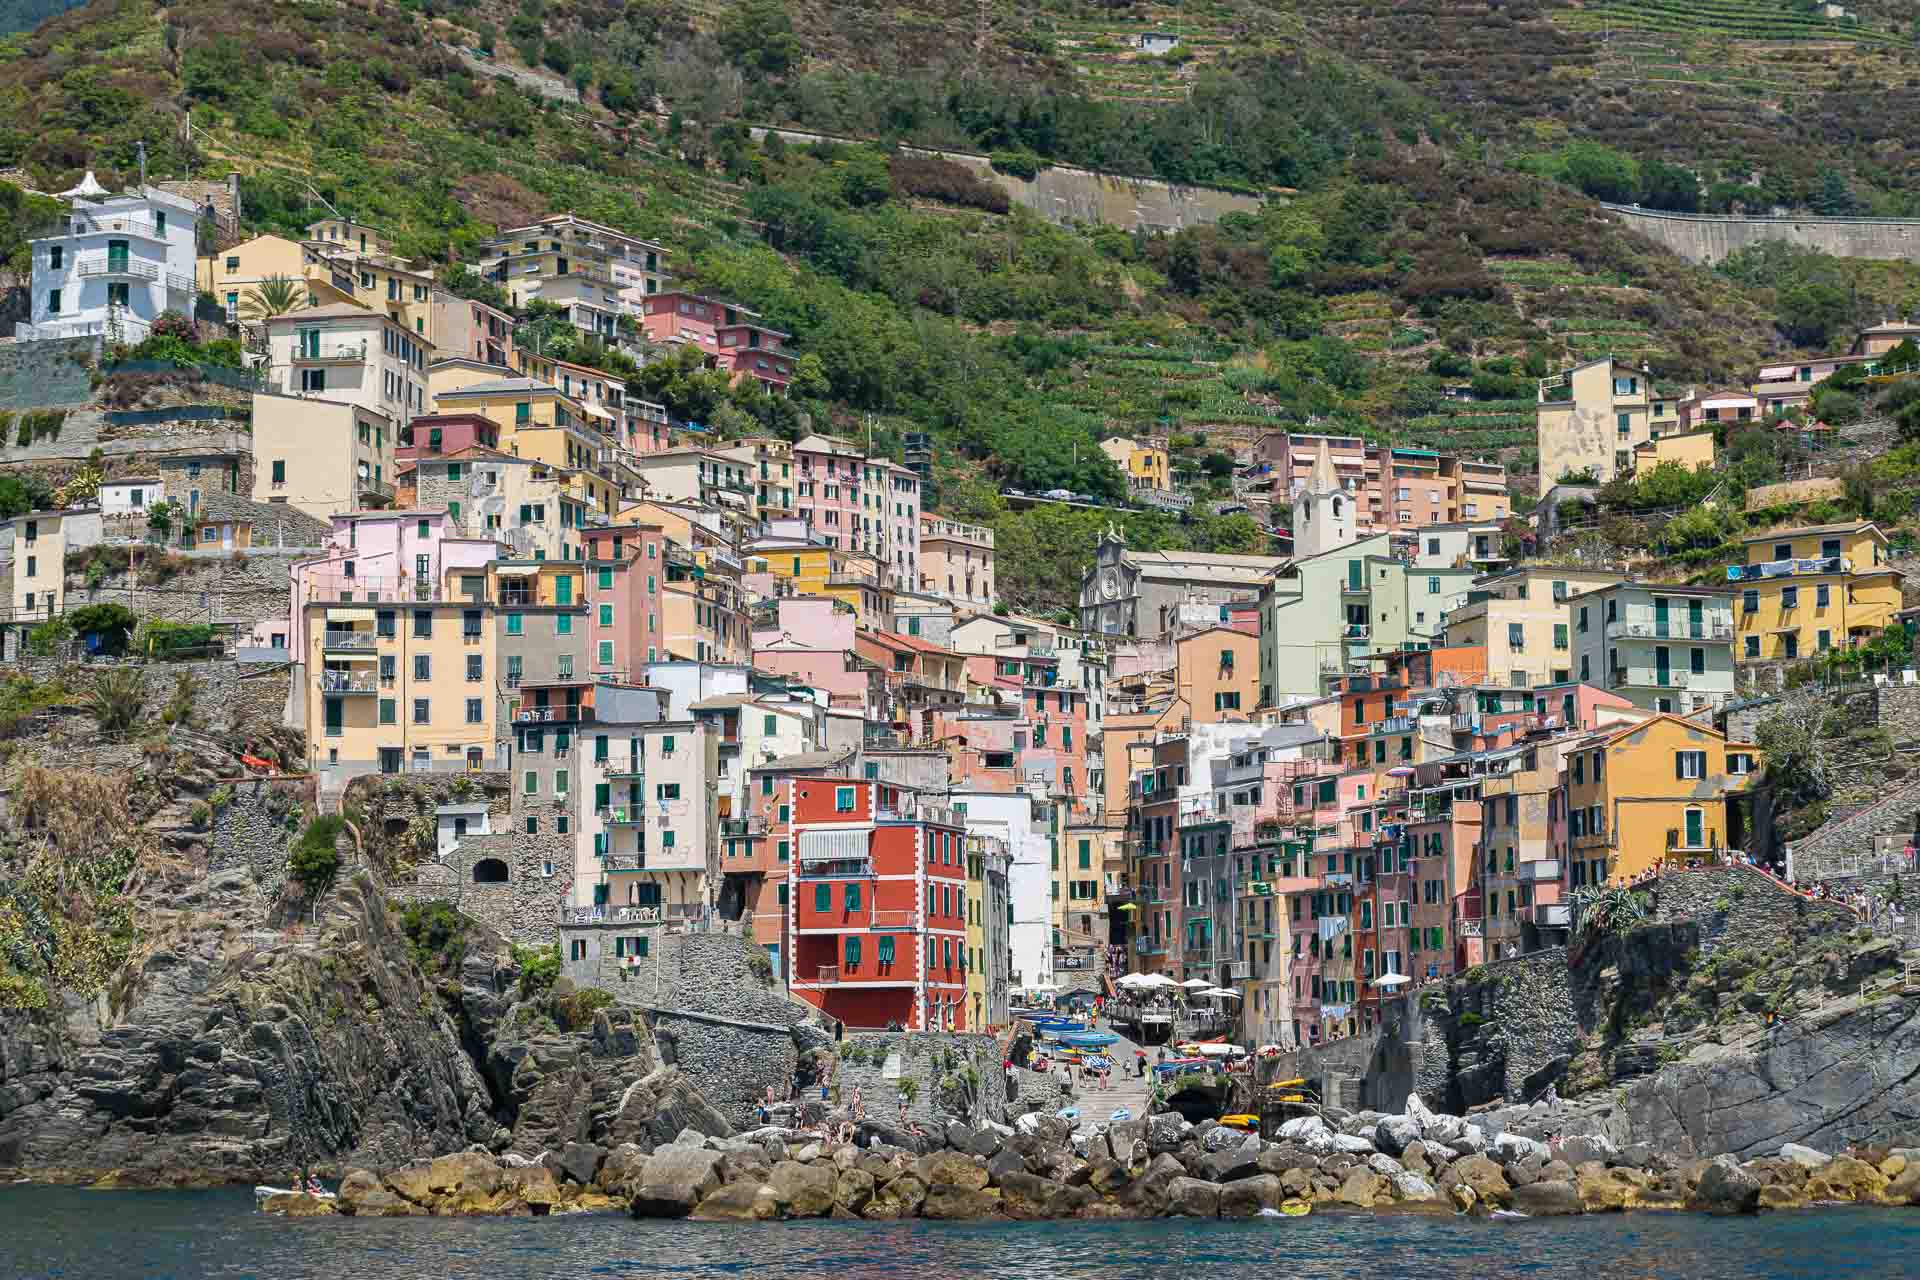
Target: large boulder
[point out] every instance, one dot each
(620, 1171)
(1225, 1165)
(1124, 1136)
(739, 1202)
(1547, 1199)
(1193, 1198)
(1362, 1188)
(1003, 1164)
(674, 1181)
(954, 1202)
(1725, 1187)
(1032, 1199)
(294, 1204)
(1300, 1128)
(852, 1191)
(1583, 1147)
(580, 1162)
(899, 1198)
(1411, 1188)
(1393, 1134)
(804, 1190)
(364, 1196)
(1166, 1131)
(1845, 1178)
(1510, 1148)
(1483, 1177)
(1246, 1197)
(1147, 1193)
(951, 1169)
(1352, 1144)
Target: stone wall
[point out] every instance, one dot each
(238, 589)
(524, 908)
(254, 829)
(958, 1075)
(1709, 239)
(234, 697)
(47, 374)
(1062, 193)
(1740, 904)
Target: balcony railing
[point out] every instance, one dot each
(552, 715)
(893, 919)
(621, 815)
(1683, 629)
(331, 353)
(378, 489)
(349, 640)
(108, 268)
(624, 862)
(827, 973)
(347, 682)
(631, 767)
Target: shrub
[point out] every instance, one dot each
(116, 699)
(49, 638)
(181, 705)
(201, 813)
(940, 179)
(539, 969)
(112, 623)
(436, 935)
(313, 861)
(1018, 164)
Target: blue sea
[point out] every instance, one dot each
(117, 1235)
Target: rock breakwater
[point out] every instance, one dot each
(1162, 1166)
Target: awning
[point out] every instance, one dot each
(517, 570)
(349, 615)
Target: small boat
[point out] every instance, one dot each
(1089, 1039)
(1295, 1208)
(1243, 1123)
(1508, 1213)
(264, 1192)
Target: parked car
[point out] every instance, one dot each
(1059, 495)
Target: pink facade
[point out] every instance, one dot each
(440, 434)
(385, 556)
(806, 622)
(1392, 488)
(848, 684)
(626, 565)
(826, 492)
(727, 334)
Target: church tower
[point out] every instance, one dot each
(1323, 515)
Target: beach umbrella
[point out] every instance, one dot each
(1160, 980)
(1196, 984)
(1392, 980)
(1221, 993)
(1135, 980)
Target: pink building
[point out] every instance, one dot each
(729, 335)
(828, 475)
(372, 556)
(956, 561)
(1392, 488)
(625, 566)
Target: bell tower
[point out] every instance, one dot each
(1323, 515)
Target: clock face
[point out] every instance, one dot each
(1110, 584)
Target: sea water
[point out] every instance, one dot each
(111, 1235)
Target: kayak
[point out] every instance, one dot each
(268, 1193)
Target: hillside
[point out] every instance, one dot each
(1401, 285)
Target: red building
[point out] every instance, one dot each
(625, 567)
(439, 434)
(730, 336)
(877, 902)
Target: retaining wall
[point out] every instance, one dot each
(1708, 239)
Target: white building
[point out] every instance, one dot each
(116, 265)
(129, 495)
(1024, 825)
(349, 355)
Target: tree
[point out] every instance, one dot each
(274, 296)
(1834, 199)
(1601, 172)
(757, 35)
(113, 623)
(314, 861)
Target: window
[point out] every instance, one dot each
(1749, 602)
(1752, 648)
(279, 472)
(1789, 597)
(1821, 596)
(853, 897)
(1221, 702)
(422, 666)
(476, 667)
(53, 302)
(423, 623)
(1823, 640)
(853, 948)
(1690, 764)
(1516, 637)
(606, 615)
(885, 950)
(1560, 635)
(474, 714)
(421, 711)
(843, 799)
(389, 711)
(563, 623)
(1697, 661)
(823, 897)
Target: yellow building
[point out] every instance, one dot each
(1803, 591)
(1522, 621)
(703, 613)
(396, 688)
(536, 421)
(1146, 465)
(232, 273)
(1691, 449)
(344, 235)
(1665, 789)
(1591, 417)
(41, 540)
(378, 284)
(852, 577)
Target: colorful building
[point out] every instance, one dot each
(1804, 591)
(1663, 790)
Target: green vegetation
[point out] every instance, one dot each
(313, 861)
(436, 936)
(116, 698)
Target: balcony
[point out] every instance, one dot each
(1683, 629)
(623, 862)
(1649, 678)
(827, 973)
(342, 353)
(1466, 722)
(1549, 915)
(892, 919)
(1395, 724)
(1788, 568)
(375, 490)
(568, 714)
(345, 682)
(1147, 945)
(349, 641)
(103, 267)
(836, 869)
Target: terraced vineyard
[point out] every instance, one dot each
(1106, 56)
(1765, 20)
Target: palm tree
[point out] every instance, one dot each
(274, 296)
